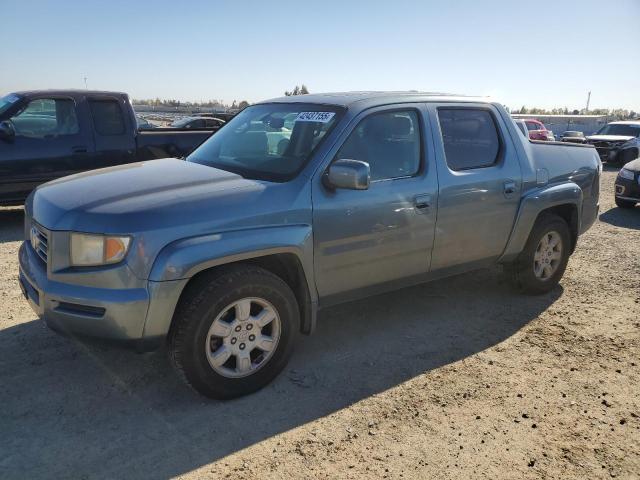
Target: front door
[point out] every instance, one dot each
(370, 239)
(480, 179)
(48, 143)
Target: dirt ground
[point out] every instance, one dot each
(463, 378)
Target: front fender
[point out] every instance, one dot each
(184, 258)
(532, 204)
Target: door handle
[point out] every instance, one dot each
(79, 149)
(510, 187)
(422, 202)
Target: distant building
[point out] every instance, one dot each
(588, 124)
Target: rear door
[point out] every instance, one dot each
(479, 179)
(51, 141)
(114, 131)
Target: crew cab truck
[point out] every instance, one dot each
(297, 204)
(617, 142)
(48, 134)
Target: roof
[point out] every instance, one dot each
(68, 91)
(536, 115)
(345, 99)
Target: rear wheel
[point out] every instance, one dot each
(234, 331)
(625, 203)
(542, 263)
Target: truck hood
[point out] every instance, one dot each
(141, 196)
(609, 138)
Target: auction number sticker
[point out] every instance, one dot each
(318, 117)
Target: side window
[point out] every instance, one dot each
(522, 129)
(47, 117)
(389, 142)
(470, 138)
(532, 126)
(107, 117)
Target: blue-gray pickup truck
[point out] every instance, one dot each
(294, 205)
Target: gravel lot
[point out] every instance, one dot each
(463, 378)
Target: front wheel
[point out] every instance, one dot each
(542, 263)
(234, 331)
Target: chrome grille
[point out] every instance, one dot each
(40, 241)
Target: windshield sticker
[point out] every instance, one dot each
(11, 98)
(318, 117)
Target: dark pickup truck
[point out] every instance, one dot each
(48, 134)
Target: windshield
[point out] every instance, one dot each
(620, 129)
(270, 141)
(7, 102)
(572, 133)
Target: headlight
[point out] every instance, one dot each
(624, 173)
(93, 250)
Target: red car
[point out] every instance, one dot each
(537, 130)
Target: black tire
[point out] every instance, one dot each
(625, 203)
(203, 300)
(522, 269)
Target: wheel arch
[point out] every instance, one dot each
(284, 251)
(564, 200)
(288, 267)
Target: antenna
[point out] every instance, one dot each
(588, 100)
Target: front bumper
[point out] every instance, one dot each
(615, 153)
(117, 315)
(627, 189)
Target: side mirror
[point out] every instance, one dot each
(7, 131)
(348, 174)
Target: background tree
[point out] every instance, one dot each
(243, 104)
(303, 90)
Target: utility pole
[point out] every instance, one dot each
(85, 83)
(588, 100)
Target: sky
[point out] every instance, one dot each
(544, 53)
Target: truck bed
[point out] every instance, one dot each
(168, 142)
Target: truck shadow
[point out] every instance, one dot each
(86, 411)
(622, 217)
(11, 222)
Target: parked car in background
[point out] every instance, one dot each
(195, 123)
(226, 116)
(537, 130)
(617, 142)
(46, 134)
(627, 187)
(573, 136)
(226, 257)
(144, 124)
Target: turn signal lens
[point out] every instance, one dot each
(115, 249)
(94, 250)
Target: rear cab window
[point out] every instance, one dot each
(470, 137)
(107, 115)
